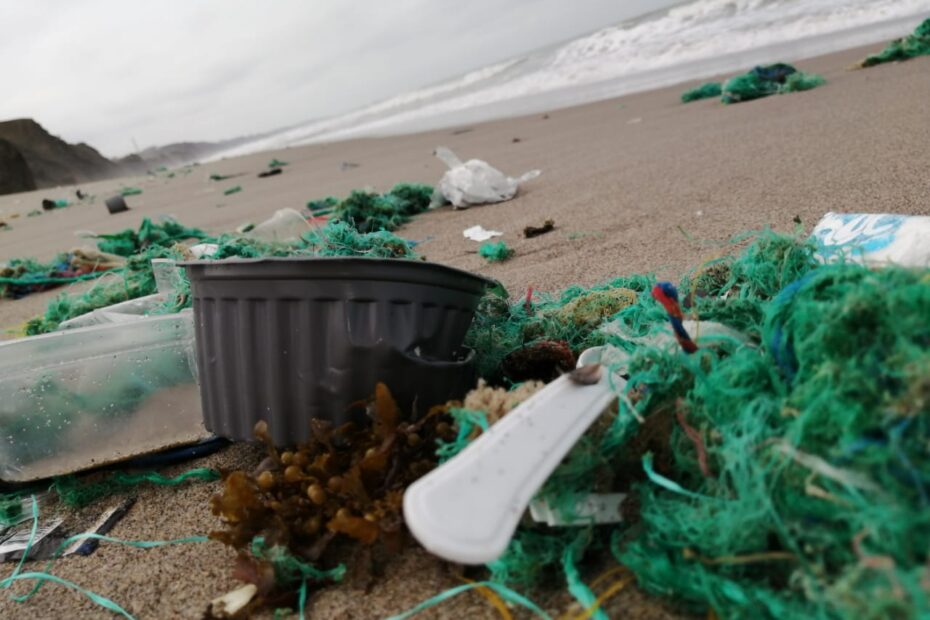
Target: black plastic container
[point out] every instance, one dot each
(286, 340)
(116, 204)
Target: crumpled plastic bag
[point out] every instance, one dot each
(476, 182)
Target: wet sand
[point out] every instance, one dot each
(640, 183)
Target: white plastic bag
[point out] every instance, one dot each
(874, 239)
(476, 182)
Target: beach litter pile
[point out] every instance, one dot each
(781, 472)
(761, 81)
(913, 45)
(21, 277)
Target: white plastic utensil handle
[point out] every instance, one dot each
(467, 510)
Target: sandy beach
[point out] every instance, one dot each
(636, 184)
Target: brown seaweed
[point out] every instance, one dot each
(345, 484)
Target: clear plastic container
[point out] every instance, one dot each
(168, 277)
(81, 398)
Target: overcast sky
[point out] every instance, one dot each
(106, 71)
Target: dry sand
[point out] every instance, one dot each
(640, 183)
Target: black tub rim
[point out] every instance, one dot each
(338, 268)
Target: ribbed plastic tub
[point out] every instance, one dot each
(287, 340)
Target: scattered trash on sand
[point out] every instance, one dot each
(479, 233)
(534, 231)
(348, 165)
(232, 190)
(130, 191)
(270, 173)
(277, 163)
(495, 252)
(475, 182)
(21, 277)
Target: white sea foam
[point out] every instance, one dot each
(693, 39)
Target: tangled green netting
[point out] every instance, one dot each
(764, 81)
(369, 212)
(131, 242)
(704, 91)
(815, 499)
(495, 252)
(905, 48)
(348, 233)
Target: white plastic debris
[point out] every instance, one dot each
(231, 603)
(874, 239)
(594, 508)
(285, 226)
(476, 182)
(479, 233)
(204, 250)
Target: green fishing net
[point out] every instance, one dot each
(786, 477)
(502, 329)
(77, 493)
(136, 279)
(370, 212)
(905, 48)
(704, 91)
(130, 242)
(496, 252)
(764, 81)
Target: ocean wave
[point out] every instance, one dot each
(683, 35)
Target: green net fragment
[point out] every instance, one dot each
(495, 252)
(130, 242)
(784, 477)
(130, 191)
(704, 91)
(77, 493)
(369, 212)
(764, 81)
(905, 48)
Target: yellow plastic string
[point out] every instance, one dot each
(494, 599)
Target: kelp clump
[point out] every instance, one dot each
(346, 484)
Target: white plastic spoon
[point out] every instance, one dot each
(467, 510)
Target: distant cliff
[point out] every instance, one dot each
(53, 161)
(15, 175)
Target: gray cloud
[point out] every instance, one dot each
(107, 71)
